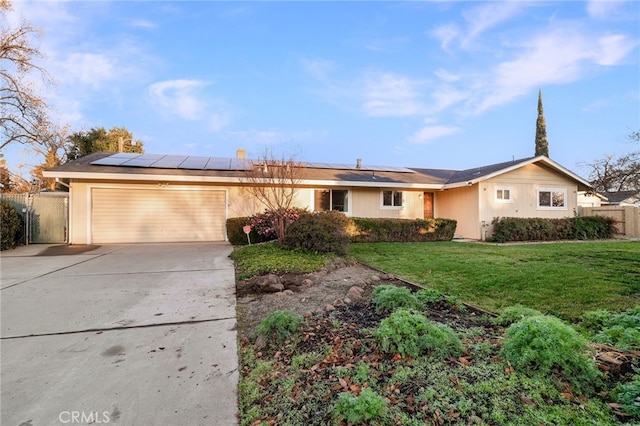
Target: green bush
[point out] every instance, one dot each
(371, 230)
(621, 330)
(514, 314)
(11, 226)
(279, 326)
(544, 344)
(628, 396)
(539, 229)
(367, 408)
(388, 298)
(429, 295)
(320, 232)
(412, 334)
(236, 234)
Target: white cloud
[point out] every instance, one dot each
(603, 8)
(318, 68)
(429, 133)
(391, 95)
(557, 56)
(180, 98)
(142, 23)
(613, 49)
(446, 34)
(489, 15)
(90, 69)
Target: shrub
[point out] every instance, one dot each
(514, 314)
(236, 235)
(368, 407)
(11, 226)
(278, 326)
(542, 344)
(320, 232)
(429, 295)
(539, 229)
(621, 330)
(388, 298)
(370, 230)
(628, 396)
(265, 224)
(411, 334)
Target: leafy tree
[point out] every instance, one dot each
(617, 173)
(23, 114)
(98, 139)
(542, 146)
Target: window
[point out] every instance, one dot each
(332, 199)
(552, 199)
(391, 199)
(503, 194)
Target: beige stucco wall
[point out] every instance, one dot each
(460, 204)
(524, 184)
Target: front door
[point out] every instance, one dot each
(428, 205)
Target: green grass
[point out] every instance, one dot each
(271, 258)
(563, 279)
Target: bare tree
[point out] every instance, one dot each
(617, 173)
(22, 112)
(274, 181)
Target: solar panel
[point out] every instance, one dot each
(170, 161)
(126, 159)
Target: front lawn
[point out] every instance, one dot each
(563, 279)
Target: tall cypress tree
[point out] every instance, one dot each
(542, 146)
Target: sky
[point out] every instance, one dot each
(432, 84)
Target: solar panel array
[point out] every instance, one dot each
(124, 159)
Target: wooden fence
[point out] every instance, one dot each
(627, 218)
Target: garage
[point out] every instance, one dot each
(132, 215)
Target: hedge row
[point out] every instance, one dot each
(367, 230)
(537, 229)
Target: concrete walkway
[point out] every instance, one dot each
(120, 334)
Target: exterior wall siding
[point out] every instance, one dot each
(460, 204)
(524, 184)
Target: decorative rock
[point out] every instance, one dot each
(307, 282)
(270, 284)
(303, 300)
(355, 293)
(288, 292)
(329, 307)
(347, 301)
(261, 341)
(338, 302)
(375, 278)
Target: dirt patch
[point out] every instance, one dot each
(307, 293)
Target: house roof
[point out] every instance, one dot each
(141, 167)
(622, 196)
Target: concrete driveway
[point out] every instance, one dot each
(121, 334)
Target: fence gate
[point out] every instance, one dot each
(45, 216)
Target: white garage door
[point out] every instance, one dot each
(157, 215)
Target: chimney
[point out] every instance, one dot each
(241, 154)
(120, 144)
(358, 163)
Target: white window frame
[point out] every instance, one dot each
(502, 189)
(563, 191)
(392, 206)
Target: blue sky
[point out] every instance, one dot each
(442, 84)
